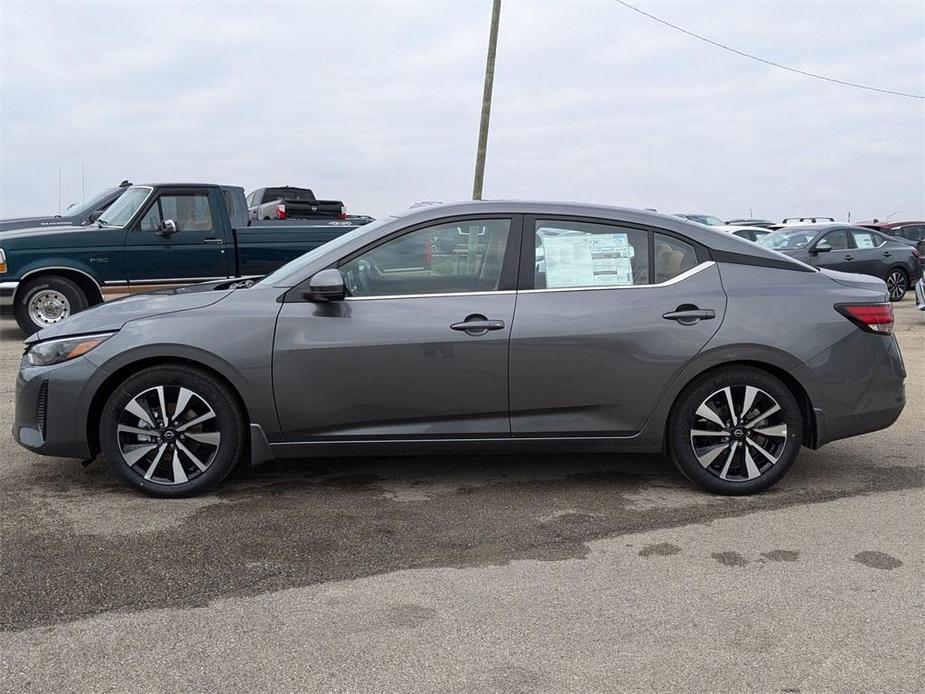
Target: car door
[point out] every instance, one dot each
(195, 251)
(419, 348)
(840, 257)
(869, 257)
(607, 317)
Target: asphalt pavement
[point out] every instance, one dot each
(558, 573)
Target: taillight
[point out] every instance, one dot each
(281, 211)
(343, 213)
(873, 318)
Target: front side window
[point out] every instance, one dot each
(838, 240)
(190, 212)
(583, 254)
(457, 257)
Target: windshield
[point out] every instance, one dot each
(707, 219)
(123, 209)
(788, 239)
(78, 209)
(303, 260)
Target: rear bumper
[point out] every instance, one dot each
(7, 293)
(856, 387)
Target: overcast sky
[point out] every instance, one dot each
(377, 103)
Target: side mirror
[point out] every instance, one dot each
(96, 214)
(327, 285)
(822, 247)
(167, 228)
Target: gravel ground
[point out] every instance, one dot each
(478, 574)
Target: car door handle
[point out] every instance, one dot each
(689, 316)
(478, 325)
(849, 257)
(887, 254)
(213, 240)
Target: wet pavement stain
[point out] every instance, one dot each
(663, 549)
(877, 560)
(781, 555)
(730, 558)
(289, 525)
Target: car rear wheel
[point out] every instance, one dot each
(735, 431)
(896, 284)
(47, 300)
(172, 431)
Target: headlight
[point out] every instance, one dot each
(2, 261)
(57, 351)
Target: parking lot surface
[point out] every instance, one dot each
(473, 574)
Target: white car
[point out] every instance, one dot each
(745, 232)
(920, 294)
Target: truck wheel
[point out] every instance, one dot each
(172, 431)
(46, 300)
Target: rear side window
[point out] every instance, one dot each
(672, 257)
(865, 239)
(580, 254)
(229, 203)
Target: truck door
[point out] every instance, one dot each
(180, 237)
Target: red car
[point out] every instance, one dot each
(911, 231)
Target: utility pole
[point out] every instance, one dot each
(59, 191)
(486, 101)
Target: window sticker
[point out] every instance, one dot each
(575, 259)
(864, 241)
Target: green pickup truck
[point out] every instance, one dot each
(153, 235)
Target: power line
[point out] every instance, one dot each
(765, 61)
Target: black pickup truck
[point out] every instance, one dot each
(288, 202)
(153, 235)
(77, 214)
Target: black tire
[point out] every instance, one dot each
(897, 281)
(783, 444)
(229, 424)
(76, 299)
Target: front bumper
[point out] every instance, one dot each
(52, 404)
(7, 293)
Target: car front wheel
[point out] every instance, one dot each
(735, 431)
(172, 431)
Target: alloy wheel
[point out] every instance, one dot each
(48, 306)
(168, 434)
(896, 285)
(738, 433)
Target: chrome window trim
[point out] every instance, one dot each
(674, 280)
(667, 283)
(426, 296)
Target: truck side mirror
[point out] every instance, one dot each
(327, 285)
(167, 228)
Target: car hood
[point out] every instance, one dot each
(61, 226)
(39, 222)
(115, 314)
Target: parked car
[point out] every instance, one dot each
(912, 232)
(745, 232)
(851, 249)
(154, 235)
(287, 202)
(640, 332)
(75, 215)
(763, 223)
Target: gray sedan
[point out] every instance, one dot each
(536, 327)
